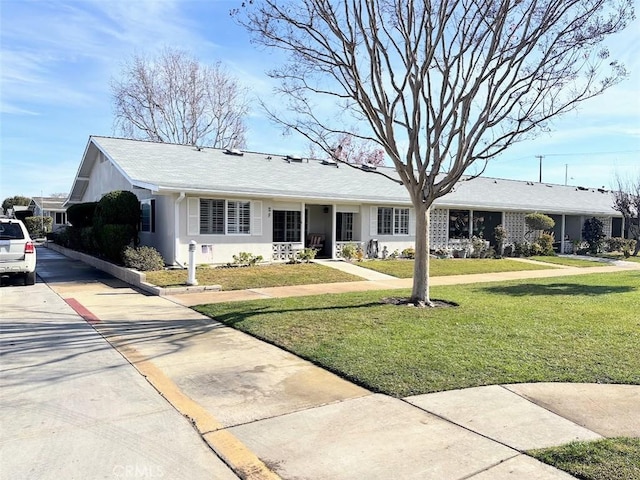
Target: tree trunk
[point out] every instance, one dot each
(420, 293)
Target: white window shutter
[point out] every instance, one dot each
(373, 222)
(256, 216)
(412, 222)
(193, 216)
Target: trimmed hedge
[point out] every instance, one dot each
(118, 207)
(81, 215)
(113, 239)
(115, 224)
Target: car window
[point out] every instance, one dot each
(11, 231)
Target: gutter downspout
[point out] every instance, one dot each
(176, 229)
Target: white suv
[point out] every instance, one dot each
(17, 251)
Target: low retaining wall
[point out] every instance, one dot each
(128, 275)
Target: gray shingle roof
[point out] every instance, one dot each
(172, 167)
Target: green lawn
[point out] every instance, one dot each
(240, 278)
(566, 329)
(275, 275)
(451, 266)
(569, 262)
(621, 257)
(609, 459)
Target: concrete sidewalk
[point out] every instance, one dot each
(269, 414)
(73, 408)
(377, 281)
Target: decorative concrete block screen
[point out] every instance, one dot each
(515, 224)
(438, 234)
(606, 225)
(283, 251)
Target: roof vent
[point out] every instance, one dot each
(582, 188)
(294, 158)
(327, 161)
(368, 167)
(233, 151)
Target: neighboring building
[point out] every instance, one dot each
(271, 205)
(50, 207)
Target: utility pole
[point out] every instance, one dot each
(540, 157)
(566, 173)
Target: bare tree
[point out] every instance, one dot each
(174, 98)
(438, 84)
(353, 150)
(626, 200)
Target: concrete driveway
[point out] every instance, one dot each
(72, 407)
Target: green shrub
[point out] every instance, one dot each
(619, 244)
(81, 215)
(535, 249)
(246, 259)
(500, 234)
(593, 233)
(479, 248)
(87, 240)
(115, 223)
(521, 249)
(143, 258)
(544, 245)
(539, 221)
(409, 252)
(38, 226)
(113, 239)
(348, 251)
(307, 254)
(120, 207)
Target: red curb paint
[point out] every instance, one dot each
(82, 311)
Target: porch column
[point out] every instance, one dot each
(563, 234)
(303, 225)
(334, 236)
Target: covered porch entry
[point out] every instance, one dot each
(324, 227)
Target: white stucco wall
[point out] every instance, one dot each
(104, 178)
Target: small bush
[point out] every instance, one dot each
(522, 249)
(306, 255)
(246, 259)
(500, 233)
(143, 258)
(619, 244)
(479, 248)
(544, 245)
(348, 251)
(409, 253)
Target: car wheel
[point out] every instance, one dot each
(30, 278)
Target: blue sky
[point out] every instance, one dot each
(57, 59)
